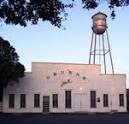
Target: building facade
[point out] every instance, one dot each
(64, 88)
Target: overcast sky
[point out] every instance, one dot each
(46, 43)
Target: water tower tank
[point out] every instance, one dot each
(99, 23)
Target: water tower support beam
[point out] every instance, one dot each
(95, 49)
(99, 50)
(104, 54)
(91, 48)
(110, 52)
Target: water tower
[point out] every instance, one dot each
(100, 45)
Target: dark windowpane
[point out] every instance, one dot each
(68, 99)
(121, 99)
(11, 100)
(23, 101)
(105, 100)
(36, 100)
(1, 98)
(1, 94)
(93, 99)
(55, 100)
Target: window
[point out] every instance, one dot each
(1, 98)
(121, 99)
(36, 100)
(11, 100)
(1, 94)
(105, 100)
(23, 101)
(55, 100)
(93, 99)
(68, 99)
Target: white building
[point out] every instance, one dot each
(63, 87)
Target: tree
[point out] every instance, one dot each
(54, 11)
(22, 11)
(10, 67)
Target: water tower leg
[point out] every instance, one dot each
(90, 54)
(110, 52)
(95, 49)
(104, 53)
(99, 50)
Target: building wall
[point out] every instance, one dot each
(51, 78)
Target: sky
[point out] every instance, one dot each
(46, 43)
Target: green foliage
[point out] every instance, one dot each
(54, 11)
(10, 68)
(22, 11)
(92, 4)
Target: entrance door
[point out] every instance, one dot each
(46, 102)
(113, 103)
(80, 102)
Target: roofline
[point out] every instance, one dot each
(97, 14)
(116, 74)
(123, 74)
(64, 63)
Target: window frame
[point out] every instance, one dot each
(68, 99)
(22, 100)
(93, 100)
(55, 100)
(11, 100)
(105, 100)
(36, 100)
(121, 100)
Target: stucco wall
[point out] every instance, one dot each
(44, 81)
